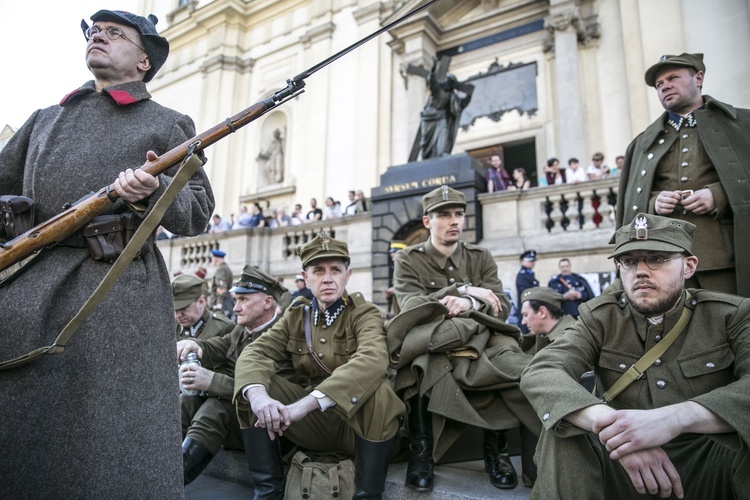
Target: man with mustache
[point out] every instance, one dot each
(676, 422)
(693, 164)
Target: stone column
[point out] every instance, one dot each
(563, 24)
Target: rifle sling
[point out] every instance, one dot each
(637, 370)
(308, 341)
(189, 166)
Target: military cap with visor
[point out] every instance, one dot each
(543, 294)
(253, 280)
(323, 247)
(156, 46)
(185, 290)
(654, 233)
(529, 255)
(694, 61)
(443, 196)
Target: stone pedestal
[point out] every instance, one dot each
(397, 205)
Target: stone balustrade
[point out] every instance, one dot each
(574, 221)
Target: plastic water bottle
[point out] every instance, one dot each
(190, 359)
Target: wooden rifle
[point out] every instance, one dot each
(20, 250)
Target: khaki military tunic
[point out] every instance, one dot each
(214, 324)
(353, 347)
(709, 364)
(469, 366)
(211, 418)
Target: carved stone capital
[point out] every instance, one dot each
(587, 29)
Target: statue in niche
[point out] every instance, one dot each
(441, 115)
(273, 158)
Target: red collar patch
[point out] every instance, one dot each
(122, 97)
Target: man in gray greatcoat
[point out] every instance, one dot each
(100, 420)
(693, 163)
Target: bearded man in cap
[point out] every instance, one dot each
(210, 419)
(194, 320)
(117, 376)
(692, 164)
(675, 365)
(336, 345)
(453, 312)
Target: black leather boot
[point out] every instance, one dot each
(371, 460)
(528, 448)
(264, 462)
(497, 462)
(195, 458)
(419, 471)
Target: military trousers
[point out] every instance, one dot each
(376, 420)
(210, 421)
(579, 467)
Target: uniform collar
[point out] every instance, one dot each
(123, 94)
(331, 313)
(440, 258)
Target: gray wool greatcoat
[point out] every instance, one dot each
(100, 420)
(469, 366)
(709, 363)
(723, 132)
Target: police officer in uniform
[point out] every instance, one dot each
(220, 298)
(525, 279)
(677, 425)
(574, 288)
(336, 344)
(210, 420)
(453, 312)
(194, 320)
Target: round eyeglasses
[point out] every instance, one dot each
(112, 32)
(653, 262)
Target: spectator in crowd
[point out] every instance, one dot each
(315, 213)
(243, 219)
(553, 173)
(520, 180)
(281, 219)
(675, 423)
(332, 209)
(597, 170)
(218, 224)
(302, 290)
(573, 287)
(256, 219)
(209, 420)
(575, 173)
(363, 204)
(297, 218)
(497, 177)
(351, 208)
(619, 162)
(163, 234)
(344, 400)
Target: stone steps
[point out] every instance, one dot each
(226, 478)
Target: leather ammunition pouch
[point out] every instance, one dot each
(16, 215)
(107, 235)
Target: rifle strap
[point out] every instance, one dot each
(637, 370)
(308, 340)
(189, 166)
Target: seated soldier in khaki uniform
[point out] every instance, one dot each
(541, 312)
(675, 365)
(210, 419)
(458, 361)
(194, 319)
(336, 342)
